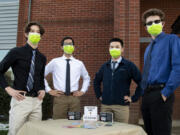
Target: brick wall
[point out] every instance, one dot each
(91, 23)
(127, 27)
(171, 9)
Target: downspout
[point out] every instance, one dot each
(29, 11)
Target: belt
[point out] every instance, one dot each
(71, 94)
(29, 94)
(156, 86)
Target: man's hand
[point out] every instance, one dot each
(15, 93)
(127, 99)
(41, 94)
(56, 93)
(163, 97)
(78, 93)
(100, 98)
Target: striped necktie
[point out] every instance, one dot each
(30, 81)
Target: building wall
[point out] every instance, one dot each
(127, 27)
(171, 9)
(91, 23)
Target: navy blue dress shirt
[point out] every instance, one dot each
(165, 62)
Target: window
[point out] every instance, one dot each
(8, 25)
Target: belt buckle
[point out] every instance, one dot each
(70, 94)
(150, 87)
(155, 86)
(34, 94)
(31, 94)
(161, 85)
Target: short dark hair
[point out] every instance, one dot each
(153, 12)
(28, 27)
(65, 38)
(117, 40)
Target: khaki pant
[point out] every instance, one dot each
(63, 104)
(28, 109)
(120, 113)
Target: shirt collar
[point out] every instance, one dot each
(30, 48)
(118, 60)
(64, 57)
(162, 34)
(123, 61)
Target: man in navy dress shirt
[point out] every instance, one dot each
(161, 75)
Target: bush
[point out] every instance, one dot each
(3, 132)
(5, 99)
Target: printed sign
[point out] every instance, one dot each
(90, 113)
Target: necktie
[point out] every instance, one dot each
(67, 78)
(113, 66)
(30, 81)
(147, 66)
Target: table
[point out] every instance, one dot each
(56, 127)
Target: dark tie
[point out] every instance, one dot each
(147, 66)
(113, 66)
(67, 78)
(30, 81)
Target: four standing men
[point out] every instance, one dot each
(28, 66)
(161, 75)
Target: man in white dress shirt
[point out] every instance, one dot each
(66, 72)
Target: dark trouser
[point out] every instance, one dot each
(157, 114)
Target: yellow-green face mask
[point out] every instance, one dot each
(155, 29)
(69, 49)
(115, 53)
(34, 38)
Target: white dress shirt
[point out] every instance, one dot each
(57, 67)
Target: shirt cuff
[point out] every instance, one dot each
(48, 89)
(165, 92)
(83, 90)
(133, 99)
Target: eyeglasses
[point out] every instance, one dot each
(68, 43)
(151, 22)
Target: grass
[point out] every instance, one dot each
(2, 132)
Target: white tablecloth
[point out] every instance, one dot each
(59, 127)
